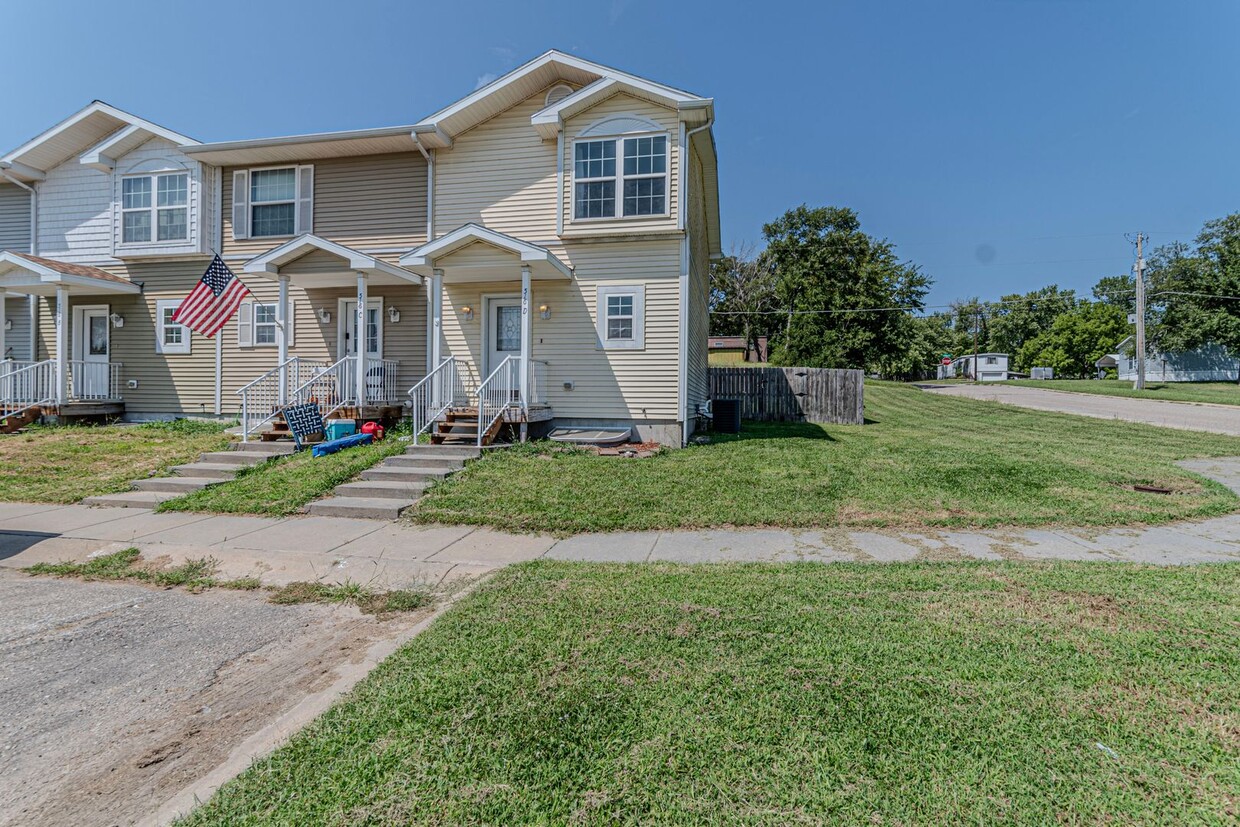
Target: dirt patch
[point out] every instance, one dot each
(131, 694)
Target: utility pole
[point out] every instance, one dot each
(977, 324)
(1139, 384)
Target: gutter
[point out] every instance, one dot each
(685, 254)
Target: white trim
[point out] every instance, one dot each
(620, 178)
(467, 234)
(270, 262)
(160, 326)
(372, 303)
(295, 201)
(638, 293)
(78, 340)
(154, 209)
(484, 319)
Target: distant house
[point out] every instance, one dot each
(728, 350)
(990, 367)
(1210, 363)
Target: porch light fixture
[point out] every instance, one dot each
(117, 320)
(325, 315)
(393, 315)
(468, 313)
(544, 311)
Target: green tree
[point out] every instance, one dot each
(1120, 291)
(824, 264)
(742, 294)
(1077, 339)
(1192, 290)
(1016, 319)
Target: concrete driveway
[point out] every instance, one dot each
(1219, 419)
(116, 699)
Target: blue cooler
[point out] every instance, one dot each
(337, 428)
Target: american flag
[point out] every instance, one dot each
(213, 302)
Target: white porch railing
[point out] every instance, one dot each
(94, 381)
(260, 398)
(537, 388)
(380, 379)
(328, 387)
(442, 388)
(497, 393)
(26, 384)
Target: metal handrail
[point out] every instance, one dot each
(27, 387)
(497, 393)
(93, 381)
(437, 392)
(262, 394)
(328, 388)
(537, 382)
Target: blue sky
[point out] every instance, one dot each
(1000, 144)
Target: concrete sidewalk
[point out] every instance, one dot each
(389, 555)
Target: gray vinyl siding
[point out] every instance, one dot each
(17, 339)
(14, 218)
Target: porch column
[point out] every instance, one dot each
(62, 345)
(436, 318)
(359, 341)
(525, 337)
(282, 338)
(4, 319)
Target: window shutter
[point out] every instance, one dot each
(288, 323)
(241, 204)
(245, 324)
(305, 200)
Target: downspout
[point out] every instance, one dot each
(32, 301)
(685, 254)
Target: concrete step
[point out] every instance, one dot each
(132, 499)
(441, 452)
(420, 461)
(380, 489)
(405, 473)
(175, 485)
(369, 508)
(237, 458)
(214, 470)
(264, 447)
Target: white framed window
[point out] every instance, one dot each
(272, 202)
(623, 177)
(991, 360)
(170, 337)
(155, 208)
(621, 312)
(257, 325)
(264, 324)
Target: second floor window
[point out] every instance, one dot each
(155, 208)
(640, 178)
(273, 202)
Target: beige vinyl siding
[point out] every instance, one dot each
(14, 218)
(17, 338)
(697, 367)
(615, 106)
(608, 384)
(367, 202)
(500, 174)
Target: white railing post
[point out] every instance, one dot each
(525, 339)
(436, 298)
(359, 341)
(3, 320)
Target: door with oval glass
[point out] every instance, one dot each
(92, 352)
(503, 331)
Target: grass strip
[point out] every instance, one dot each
(1215, 393)
(197, 575)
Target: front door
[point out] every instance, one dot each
(374, 329)
(503, 333)
(94, 350)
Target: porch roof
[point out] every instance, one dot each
(324, 263)
(36, 276)
(513, 252)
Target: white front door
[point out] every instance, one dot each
(503, 331)
(93, 352)
(374, 329)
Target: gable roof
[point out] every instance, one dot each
(540, 259)
(308, 147)
(40, 276)
(270, 262)
(85, 129)
(441, 128)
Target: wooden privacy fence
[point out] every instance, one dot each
(792, 394)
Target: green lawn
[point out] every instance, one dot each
(928, 693)
(282, 486)
(923, 460)
(1217, 393)
(63, 464)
